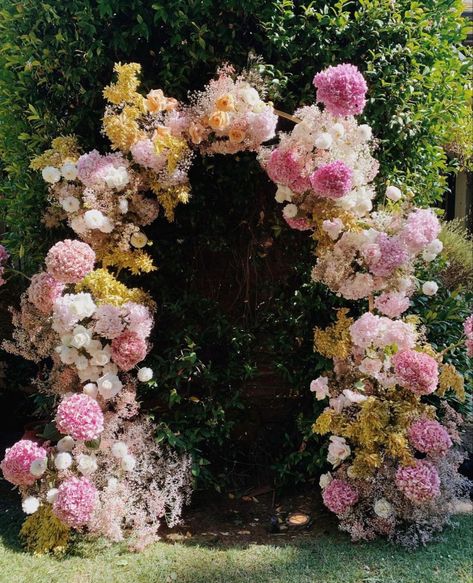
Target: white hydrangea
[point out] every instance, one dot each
(116, 177)
(94, 219)
(364, 132)
(38, 467)
(145, 374)
(119, 449)
(323, 141)
(86, 464)
(30, 505)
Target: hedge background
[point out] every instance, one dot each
(232, 351)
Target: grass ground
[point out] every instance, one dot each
(325, 557)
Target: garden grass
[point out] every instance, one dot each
(323, 558)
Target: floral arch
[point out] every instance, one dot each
(97, 466)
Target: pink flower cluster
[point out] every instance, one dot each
(392, 304)
(80, 416)
(298, 224)
(391, 255)
(416, 371)
(339, 496)
(4, 255)
(468, 329)
(93, 167)
(421, 228)
(429, 436)
(285, 167)
(69, 261)
(332, 180)
(17, 462)
(75, 501)
(342, 89)
(128, 350)
(378, 331)
(420, 482)
(43, 291)
(144, 153)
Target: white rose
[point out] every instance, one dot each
(290, 211)
(145, 374)
(81, 362)
(67, 355)
(325, 480)
(393, 193)
(435, 246)
(283, 194)
(128, 463)
(69, 171)
(94, 219)
(249, 95)
(323, 141)
(117, 177)
(86, 464)
(364, 132)
(123, 205)
(70, 204)
(38, 467)
(109, 385)
(51, 495)
(337, 130)
(338, 450)
(383, 508)
(63, 460)
(78, 225)
(30, 505)
(91, 390)
(119, 449)
(82, 305)
(51, 174)
(139, 240)
(100, 358)
(354, 397)
(430, 288)
(65, 444)
(333, 228)
(81, 337)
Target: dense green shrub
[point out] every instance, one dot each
(55, 59)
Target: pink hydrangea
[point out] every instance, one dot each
(144, 153)
(80, 417)
(128, 350)
(392, 254)
(284, 167)
(339, 496)
(365, 330)
(17, 462)
(109, 321)
(70, 261)
(429, 436)
(469, 347)
(138, 319)
(43, 291)
(421, 228)
(298, 224)
(92, 167)
(397, 332)
(75, 501)
(342, 89)
(419, 483)
(332, 180)
(392, 304)
(468, 327)
(416, 371)
(261, 126)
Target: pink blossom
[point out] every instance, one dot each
(469, 347)
(429, 436)
(392, 254)
(298, 224)
(80, 417)
(339, 496)
(284, 167)
(109, 321)
(75, 501)
(144, 153)
(43, 291)
(332, 180)
(365, 330)
(319, 386)
(420, 482)
(261, 126)
(416, 371)
(421, 228)
(138, 318)
(128, 350)
(70, 261)
(392, 304)
(17, 462)
(468, 327)
(397, 332)
(342, 89)
(371, 366)
(92, 167)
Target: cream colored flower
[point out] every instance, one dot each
(225, 102)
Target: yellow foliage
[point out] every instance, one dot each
(335, 340)
(137, 261)
(323, 423)
(106, 289)
(450, 378)
(43, 532)
(63, 149)
(125, 88)
(169, 198)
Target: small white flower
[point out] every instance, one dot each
(383, 508)
(117, 177)
(428, 257)
(94, 219)
(323, 141)
(436, 246)
(325, 480)
(283, 194)
(63, 461)
(145, 374)
(51, 174)
(86, 464)
(351, 472)
(364, 132)
(139, 240)
(91, 390)
(128, 463)
(107, 226)
(78, 225)
(109, 385)
(112, 482)
(123, 205)
(69, 171)
(82, 305)
(67, 355)
(119, 449)
(65, 444)
(290, 211)
(38, 467)
(81, 362)
(337, 130)
(30, 505)
(430, 288)
(249, 95)
(70, 204)
(81, 337)
(393, 193)
(51, 495)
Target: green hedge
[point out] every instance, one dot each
(56, 56)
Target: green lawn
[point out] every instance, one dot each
(323, 558)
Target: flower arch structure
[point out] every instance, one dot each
(98, 467)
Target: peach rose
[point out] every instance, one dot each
(225, 103)
(218, 120)
(156, 101)
(196, 132)
(236, 135)
(160, 132)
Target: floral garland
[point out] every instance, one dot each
(98, 468)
